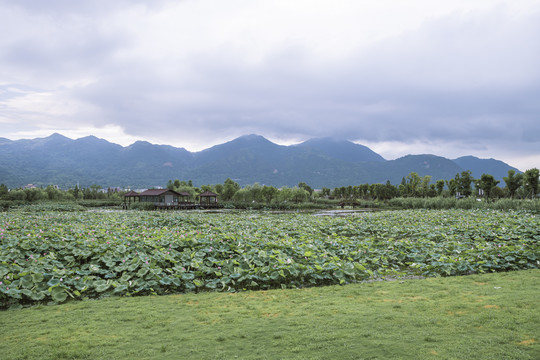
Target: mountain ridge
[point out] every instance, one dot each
(320, 162)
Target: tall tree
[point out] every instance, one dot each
(299, 195)
(76, 192)
(218, 188)
(256, 193)
(52, 193)
(530, 182)
(452, 186)
(391, 191)
(306, 187)
(440, 187)
(513, 182)
(414, 181)
(487, 183)
(230, 187)
(464, 183)
(425, 185)
(3, 190)
(325, 191)
(269, 192)
(363, 189)
(207, 188)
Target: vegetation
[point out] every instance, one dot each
(33, 194)
(303, 196)
(54, 256)
(490, 316)
(469, 203)
(53, 250)
(413, 192)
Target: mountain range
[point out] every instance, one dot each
(248, 159)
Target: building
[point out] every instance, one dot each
(208, 199)
(170, 199)
(160, 197)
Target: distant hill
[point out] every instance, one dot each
(341, 150)
(248, 159)
(478, 167)
(436, 166)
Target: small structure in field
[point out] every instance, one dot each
(127, 198)
(208, 199)
(160, 197)
(170, 200)
(183, 197)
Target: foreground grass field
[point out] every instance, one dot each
(490, 316)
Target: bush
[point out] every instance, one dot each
(100, 203)
(51, 206)
(7, 204)
(440, 203)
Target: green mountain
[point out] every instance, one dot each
(341, 150)
(248, 159)
(478, 167)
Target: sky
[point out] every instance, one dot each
(450, 78)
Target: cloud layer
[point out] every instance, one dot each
(419, 76)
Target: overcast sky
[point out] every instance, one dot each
(449, 78)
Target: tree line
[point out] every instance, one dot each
(517, 186)
(33, 194)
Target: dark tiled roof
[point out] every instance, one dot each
(208, 194)
(131, 194)
(157, 192)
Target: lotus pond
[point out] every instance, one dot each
(54, 256)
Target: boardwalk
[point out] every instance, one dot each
(188, 206)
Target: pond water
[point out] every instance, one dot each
(343, 212)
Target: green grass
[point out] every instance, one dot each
(491, 316)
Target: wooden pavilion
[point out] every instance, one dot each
(208, 199)
(183, 197)
(127, 198)
(160, 197)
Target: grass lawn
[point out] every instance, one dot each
(492, 316)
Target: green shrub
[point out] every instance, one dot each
(7, 204)
(51, 206)
(440, 203)
(100, 203)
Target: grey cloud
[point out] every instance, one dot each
(58, 60)
(470, 79)
(69, 7)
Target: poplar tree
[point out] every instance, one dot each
(513, 182)
(530, 181)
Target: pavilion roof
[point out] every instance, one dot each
(208, 194)
(157, 192)
(131, 194)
